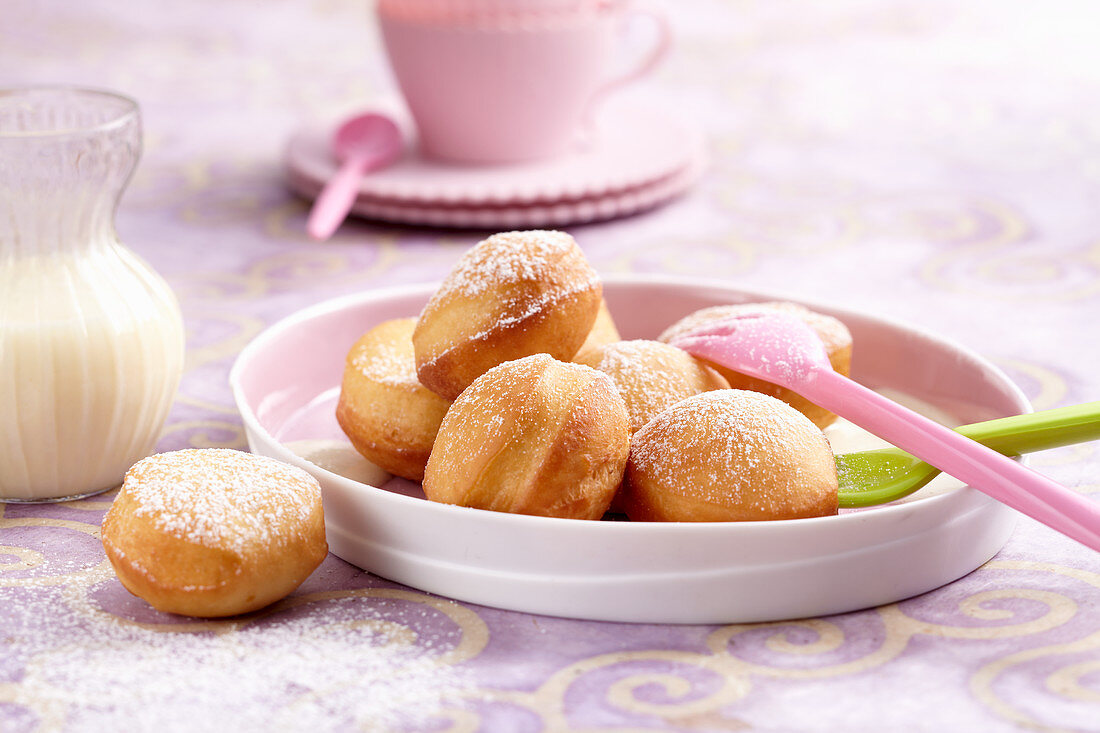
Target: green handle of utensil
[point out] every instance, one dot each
(1010, 436)
(1037, 431)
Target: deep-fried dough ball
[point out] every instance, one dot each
(512, 295)
(532, 436)
(729, 455)
(387, 414)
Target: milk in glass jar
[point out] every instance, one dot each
(91, 338)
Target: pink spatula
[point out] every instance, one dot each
(782, 349)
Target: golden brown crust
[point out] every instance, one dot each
(729, 455)
(833, 333)
(512, 295)
(652, 376)
(604, 331)
(212, 532)
(532, 436)
(388, 416)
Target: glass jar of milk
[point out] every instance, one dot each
(91, 338)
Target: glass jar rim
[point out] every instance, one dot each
(128, 109)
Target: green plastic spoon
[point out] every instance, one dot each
(875, 477)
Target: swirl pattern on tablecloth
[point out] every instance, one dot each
(930, 161)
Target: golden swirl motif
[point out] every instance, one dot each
(393, 634)
(1085, 576)
(799, 228)
(729, 256)
(1064, 456)
(25, 559)
(1066, 682)
(290, 271)
(30, 556)
(623, 694)
(97, 503)
(998, 264)
(548, 700)
(459, 720)
(1059, 610)
(1058, 276)
(243, 329)
(204, 433)
(206, 405)
(1048, 388)
(1087, 488)
(830, 637)
(898, 630)
(475, 634)
(211, 286)
(981, 684)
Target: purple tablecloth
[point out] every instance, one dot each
(933, 162)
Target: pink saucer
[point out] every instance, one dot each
(551, 214)
(633, 150)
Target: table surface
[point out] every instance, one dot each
(932, 162)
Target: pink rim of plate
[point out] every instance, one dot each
(633, 146)
(639, 571)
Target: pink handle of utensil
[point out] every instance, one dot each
(335, 200)
(1000, 477)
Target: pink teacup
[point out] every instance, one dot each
(490, 88)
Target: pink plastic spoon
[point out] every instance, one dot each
(782, 349)
(363, 143)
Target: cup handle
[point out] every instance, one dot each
(651, 58)
(648, 61)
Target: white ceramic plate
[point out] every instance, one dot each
(286, 383)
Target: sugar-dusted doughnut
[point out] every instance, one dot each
(532, 436)
(214, 532)
(652, 376)
(512, 295)
(604, 331)
(729, 455)
(387, 414)
(833, 333)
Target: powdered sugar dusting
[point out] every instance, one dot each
(507, 393)
(508, 257)
(218, 497)
(728, 437)
(500, 289)
(832, 332)
(373, 659)
(389, 361)
(517, 310)
(774, 346)
(652, 376)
